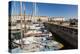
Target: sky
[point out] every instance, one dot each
(46, 9)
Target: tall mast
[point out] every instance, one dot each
(21, 25)
(14, 11)
(35, 8)
(34, 11)
(24, 19)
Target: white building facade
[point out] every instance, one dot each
(14, 18)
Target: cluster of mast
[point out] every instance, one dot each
(23, 7)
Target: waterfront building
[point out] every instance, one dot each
(17, 18)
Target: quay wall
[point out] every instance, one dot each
(66, 34)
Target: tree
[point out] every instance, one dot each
(29, 21)
(39, 20)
